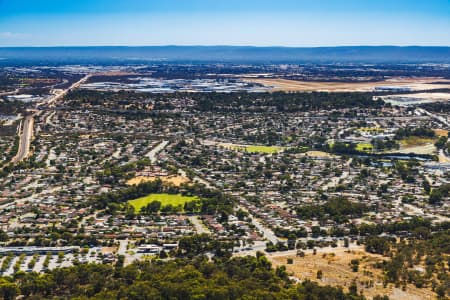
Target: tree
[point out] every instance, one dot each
(319, 274)
(8, 290)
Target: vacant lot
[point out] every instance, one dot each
(308, 86)
(174, 180)
(165, 199)
(441, 132)
(337, 271)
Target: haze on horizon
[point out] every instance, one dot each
(298, 23)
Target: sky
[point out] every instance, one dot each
(292, 23)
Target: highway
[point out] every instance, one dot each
(25, 139)
(27, 125)
(52, 100)
(436, 117)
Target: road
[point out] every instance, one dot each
(199, 227)
(267, 232)
(436, 117)
(25, 139)
(27, 125)
(154, 152)
(335, 180)
(51, 101)
(9, 93)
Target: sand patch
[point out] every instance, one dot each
(174, 180)
(337, 271)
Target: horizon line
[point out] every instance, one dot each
(225, 45)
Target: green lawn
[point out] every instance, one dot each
(263, 149)
(364, 147)
(165, 199)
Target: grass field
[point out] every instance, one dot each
(165, 199)
(372, 129)
(364, 147)
(260, 149)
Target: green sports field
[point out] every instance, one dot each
(259, 149)
(165, 199)
(364, 147)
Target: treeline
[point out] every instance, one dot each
(8, 107)
(113, 173)
(237, 278)
(343, 148)
(423, 132)
(407, 228)
(283, 102)
(439, 107)
(422, 261)
(337, 209)
(439, 194)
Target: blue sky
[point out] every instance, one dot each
(224, 22)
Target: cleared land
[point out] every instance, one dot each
(337, 271)
(309, 86)
(318, 154)
(441, 132)
(165, 199)
(174, 180)
(417, 145)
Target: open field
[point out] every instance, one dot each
(248, 148)
(417, 145)
(441, 132)
(414, 141)
(337, 271)
(424, 83)
(318, 154)
(259, 149)
(165, 199)
(417, 98)
(374, 130)
(174, 180)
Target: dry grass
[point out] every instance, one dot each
(174, 180)
(337, 272)
(318, 154)
(414, 141)
(441, 132)
(306, 86)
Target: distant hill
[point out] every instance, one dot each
(224, 54)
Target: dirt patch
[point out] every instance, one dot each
(337, 271)
(318, 154)
(441, 132)
(174, 180)
(109, 250)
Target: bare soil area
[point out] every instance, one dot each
(337, 271)
(175, 180)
